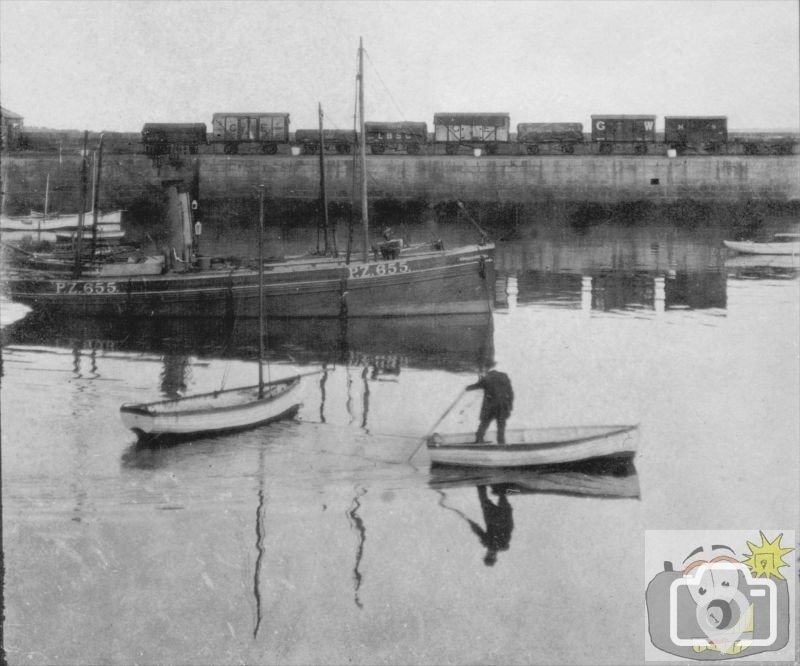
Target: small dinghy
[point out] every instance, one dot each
(535, 446)
(788, 243)
(214, 413)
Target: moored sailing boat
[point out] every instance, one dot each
(219, 411)
(387, 280)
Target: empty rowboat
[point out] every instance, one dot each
(214, 413)
(535, 446)
(781, 244)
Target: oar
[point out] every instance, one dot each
(436, 425)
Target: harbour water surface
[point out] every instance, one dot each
(328, 539)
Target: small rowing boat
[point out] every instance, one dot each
(602, 477)
(214, 413)
(781, 244)
(535, 446)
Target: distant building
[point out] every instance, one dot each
(11, 125)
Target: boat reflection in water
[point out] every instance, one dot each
(446, 342)
(607, 478)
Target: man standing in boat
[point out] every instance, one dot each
(498, 400)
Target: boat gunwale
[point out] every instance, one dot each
(150, 409)
(613, 431)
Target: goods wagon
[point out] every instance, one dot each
(342, 141)
(475, 130)
(706, 133)
(254, 131)
(614, 132)
(173, 138)
(565, 135)
(396, 136)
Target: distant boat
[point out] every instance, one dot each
(782, 244)
(220, 411)
(536, 446)
(36, 222)
(103, 234)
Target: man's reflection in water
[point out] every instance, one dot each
(499, 523)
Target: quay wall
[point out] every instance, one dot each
(135, 182)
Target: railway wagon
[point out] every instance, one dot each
(622, 133)
(342, 141)
(173, 138)
(249, 132)
(563, 136)
(71, 141)
(395, 136)
(474, 130)
(696, 133)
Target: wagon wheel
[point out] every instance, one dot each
(412, 149)
(310, 149)
(231, 149)
(451, 148)
(377, 148)
(640, 148)
(533, 149)
(606, 148)
(269, 148)
(568, 148)
(342, 148)
(491, 149)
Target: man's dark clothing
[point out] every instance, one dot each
(499, 523)
(498, 400)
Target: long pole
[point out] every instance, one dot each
(322, 188)
(82, 207)
(436, 425)
(98, 165)
(363, 147)
(261, 296)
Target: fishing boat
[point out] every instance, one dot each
(387, 280)
(786, 243)
(535, 446)
(221, 411)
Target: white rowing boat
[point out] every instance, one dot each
(535, 446)
(782, 244)
(214, 413)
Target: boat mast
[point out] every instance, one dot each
(363, 146)
(261, 296)
(46, 195)
(98, 164)
(322, 189)
(82, 208)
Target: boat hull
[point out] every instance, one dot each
(542, 446)
(749, 247)
(457, 281)
(213, 413)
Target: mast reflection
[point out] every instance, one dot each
(357, 524)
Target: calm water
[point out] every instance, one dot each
(328, 539)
